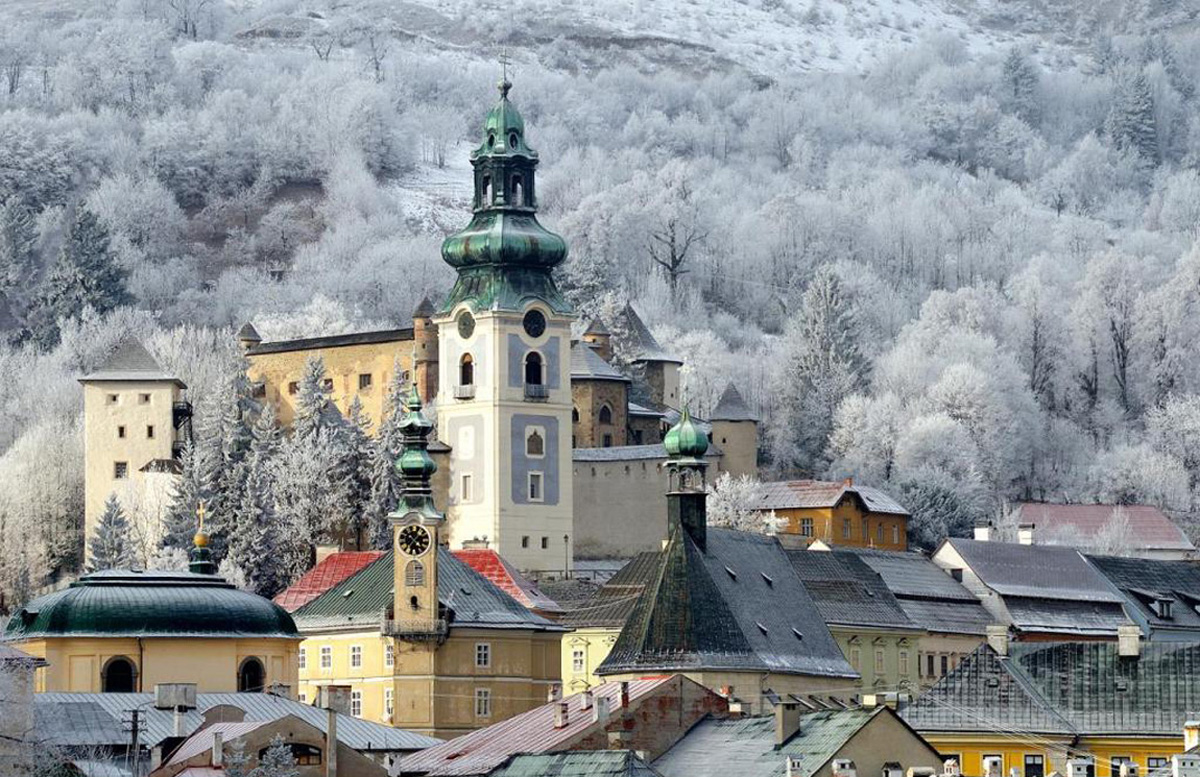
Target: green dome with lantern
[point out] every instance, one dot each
(686, 439)
(415, 465)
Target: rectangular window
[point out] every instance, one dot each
(847, 527)
(607, 441)
(293, 388)
(121, 432)
(258, 390)
(855, 658)
(356, 703)
(356, 656)
(929, 665)
(143, 399)
(327, 384)
(1035, 765)
(149, 432)
(525, 542)
(302, 659)
(806, 527)
(577, 660)
(387, 701)
(1157, 762)
(364, 381)
(879, 662)
(879, 531)
(545, 543)
(326, 657)
(483, 703)
(303, 698)
(120, 470)
(535, 487)
(896, 533)
(389, 655)
(483, 655)
(945, 665)
(112, 399)
(465, 488)
(903, 662)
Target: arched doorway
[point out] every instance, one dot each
(252, 677)
(119, 675)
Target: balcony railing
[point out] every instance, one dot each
(464, 392)
(537, 391)
(415, 630)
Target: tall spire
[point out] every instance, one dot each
(415, 466)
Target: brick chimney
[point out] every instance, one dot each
(997, 638)
(787, 721)
(1129, 641)
(561, 714)
(1025, 533)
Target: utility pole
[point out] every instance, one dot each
(134, 730)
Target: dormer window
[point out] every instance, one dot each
(491, 141)
(1162, 608)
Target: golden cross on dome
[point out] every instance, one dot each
(201, 511)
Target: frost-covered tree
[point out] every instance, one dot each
(385, 481)
(191, 488)
(109, 546)
(18, 251)
(314, 411)
(733, 502)
(1020, 79)
(276, 761)
(1131, 122)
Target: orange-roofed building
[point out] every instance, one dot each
(836, 512)
(504, 576)
(332, 570)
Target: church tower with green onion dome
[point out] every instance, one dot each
(504, 339)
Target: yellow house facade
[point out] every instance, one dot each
(837, 513)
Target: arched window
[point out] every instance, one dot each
(574, 415)
(119, 675)
(535, 445)
(533, 369)
(605, 414)
(414, 573)
(515, 199)
(485, 191)
(466, 371)
(252, 676)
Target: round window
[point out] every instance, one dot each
(466, 325)
(534, 323)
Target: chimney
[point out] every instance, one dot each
(1129, 641)
(1185, 765)
(993, 766)
(951, 768)
(844, 767)
(869, 701)
(475, 543)
(624, 694)
(1129, 769)
(586, 700)
(848, 482)
(1025, 533)
(918, 771)
(600, 711)
(1191, 734)
(331, 743)
(787, 721)
(1014, 771)
(983, 531)
(218, 751)
(997, 638)
(555, 692)
(561, 714)
(334, 697)
(795, 767)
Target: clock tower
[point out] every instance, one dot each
(504, 401)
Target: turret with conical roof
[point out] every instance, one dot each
(504, 256)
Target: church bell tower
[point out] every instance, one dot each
(504, 399)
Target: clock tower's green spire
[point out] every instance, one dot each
(415, 466)
(504, 257)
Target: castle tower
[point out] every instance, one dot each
(735, 430)
(134, 422)
(425, 350)
(504, 399)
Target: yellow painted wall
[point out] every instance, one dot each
(898, 650)
(593, 645)
(212, 664)
(971, 749)
(829, 524)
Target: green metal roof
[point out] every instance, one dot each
(130, 603)
(359, 601)
(576, 764)
(686, 439)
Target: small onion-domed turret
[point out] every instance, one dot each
(686, 439)
(415, 465)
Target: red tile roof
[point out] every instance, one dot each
(1149, 527)
(316, 581)
(489, 563)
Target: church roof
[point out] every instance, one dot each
(737, 605)
(731, 407)
(122, 603)
(645, 347)
(130, 361)
(586, 364)
(358, 602)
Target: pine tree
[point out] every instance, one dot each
(262, 545)
(385, 480)
(1131, 123)
(18, 239)
(276, 761)
(110, 544)
(1020, 80)
(356, 472)
(180, 521)
(313, 408)
(86, 274)
(231, 439)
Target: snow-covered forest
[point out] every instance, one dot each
(958, 264)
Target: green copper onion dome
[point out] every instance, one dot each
(504, 257)
(415, 466)
(685, 439)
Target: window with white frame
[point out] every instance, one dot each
(483, 655)
(387, 701)
(389, 655)
(356, 703)
(326, 657)
(483, 703)
(356, 656)
(302, 659)
(578, 661)
(536, 493)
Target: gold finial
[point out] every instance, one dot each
(201, 539)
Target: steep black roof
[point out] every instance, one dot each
(731, 407)
(130, 361)
(1143, 581)
(1075, 688)
(645, 347)
(847, 591)
(738, 606)
(611, 605)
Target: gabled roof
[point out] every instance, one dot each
(130, 361)
(638, 410)
(333, 341)
(731, 407)
(586, 364)
(10, 656)
(611, 605)
(596, 327)
(202, 741)
(586, 763)
(737, 605)
(480, 751)
(358, 602)
(95, 719)
(1144, 580)
(644, 347)
(504, 576)
(798, 494)
(1073, 688)
(1034, 571)
(1150, 529)
(424, 309)
(847, 591)
(249, 334)
(332, 570)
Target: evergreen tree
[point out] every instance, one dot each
(313, 408)
(1131, 123)
(385, 480)
(230, 440)
(276, 761)
(86, 274)
(110, 545)
(356, 472)
(18, 239)
(1020, 84)
(180, 521)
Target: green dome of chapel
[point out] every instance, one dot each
(686, 439)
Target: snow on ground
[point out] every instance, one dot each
(437, 201)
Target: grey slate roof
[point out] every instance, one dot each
(796, 494)
(583, 763)
(95, 719)
(1142, 581)
(738, 606)
(334, 341)
(847, 591)
(639, 410)
(1065, 616)
(632, 453)
(130, 361)
(359, 601)
(713, 746)
(1074, 688)
(731, 407)
(1036, 571)
(645, 347)
(249, 333)
(586, 364)
(612, 604)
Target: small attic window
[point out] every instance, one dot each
(761, 627)
(767, 578)
(348, 593)
(797, 634)
(731, 573)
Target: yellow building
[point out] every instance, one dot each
(1035, 706)
(124, 631)
(838, 513)
(134, 423)
(424, 641)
